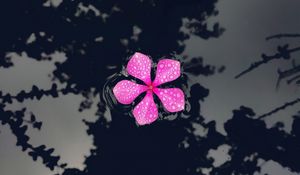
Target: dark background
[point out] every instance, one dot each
(60, 59)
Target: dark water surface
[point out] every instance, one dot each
(61, 59)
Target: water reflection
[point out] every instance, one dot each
(96, 37)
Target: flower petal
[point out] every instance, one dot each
(167, 70)
(139, 66)
(146, 111)
(126, 91)
(171, 98)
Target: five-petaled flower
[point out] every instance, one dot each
(139, 66)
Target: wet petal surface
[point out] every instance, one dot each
(167, 70)
(126, 91)
(139, 66)
(171, 98)
(146, 111)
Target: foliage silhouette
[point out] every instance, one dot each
(250, 137)
(283, 52)
(282, 35)
(282, 107)
(18, 128)
(291, 74)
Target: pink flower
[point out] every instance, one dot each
(146, 111)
